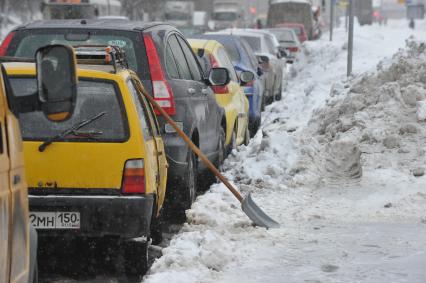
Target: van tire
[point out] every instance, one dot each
(135, 255)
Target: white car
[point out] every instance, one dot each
(289, 41)
(266, 48)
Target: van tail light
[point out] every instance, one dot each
(161, 89)
(5, 44)
(134, 177)
(217, 89)
(293, 49)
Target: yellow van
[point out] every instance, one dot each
(101, 173)
(231, 96)
(18, 241)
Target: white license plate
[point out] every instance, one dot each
(55, 220)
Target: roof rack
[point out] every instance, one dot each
(104, 55)
(101, 55)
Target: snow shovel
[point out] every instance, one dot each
(249, 207)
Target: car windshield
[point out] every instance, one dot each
(254, 42)
(28, 41)
(225, 16)
(93, 97)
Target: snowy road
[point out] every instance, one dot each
(334, 165)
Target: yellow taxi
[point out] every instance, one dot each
(231, 96)
(18, 240)
(103, 171)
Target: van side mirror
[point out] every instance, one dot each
(219, 77)
(246, 77)
(56, 81)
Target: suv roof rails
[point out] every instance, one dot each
(101, 55)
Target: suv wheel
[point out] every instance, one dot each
(207, 178)
(135, 256)
(192, 179)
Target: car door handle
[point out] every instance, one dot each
(191, 90)
(205, 91)
(159, 153)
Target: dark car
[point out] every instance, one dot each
(244, 59)
(169, 71)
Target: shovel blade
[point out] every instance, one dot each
(256, 214)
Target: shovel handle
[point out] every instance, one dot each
(193, 147)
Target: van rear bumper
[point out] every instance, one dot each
(100, 215)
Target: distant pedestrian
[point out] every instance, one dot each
(412, 24)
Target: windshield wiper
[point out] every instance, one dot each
(69, 131)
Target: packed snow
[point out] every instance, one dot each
(339, 163)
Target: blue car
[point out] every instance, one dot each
(243, 59)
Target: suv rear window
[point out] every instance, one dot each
(26, 42)
(93, 97)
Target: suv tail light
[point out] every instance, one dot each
(217, 89)
(161, 89)
(134, 177)
(6, 42)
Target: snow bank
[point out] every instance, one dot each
(339, 163)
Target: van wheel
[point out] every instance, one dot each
(135, 256)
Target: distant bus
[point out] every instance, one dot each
(79, 9)
(364, 11)
(291, 12)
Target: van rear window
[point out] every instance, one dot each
(93, 97)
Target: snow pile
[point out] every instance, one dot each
(339, 163)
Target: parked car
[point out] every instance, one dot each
(169, 71)
(112, 177)
(289, 41)
(231, 96)
(265, 46)
(243, 59)
(299, 29)
(18, 239)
